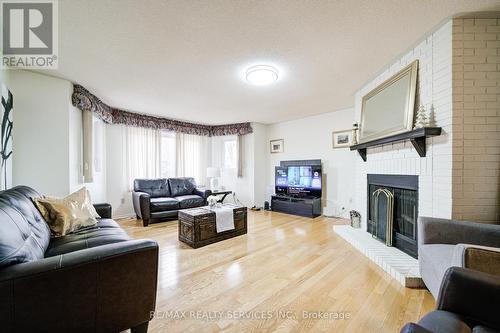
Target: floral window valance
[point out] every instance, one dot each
(85, 100)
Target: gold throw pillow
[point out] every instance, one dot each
(83, 196)
(66, 215)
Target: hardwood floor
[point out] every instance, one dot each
(284, 265)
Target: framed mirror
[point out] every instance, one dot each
(389, 108)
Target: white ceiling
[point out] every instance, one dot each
(185, 59)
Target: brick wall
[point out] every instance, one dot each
(435, 170)
(476, 118)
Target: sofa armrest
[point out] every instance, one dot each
(444, 231)
(105, 288)
(473, 295)
(104, 210)
(141, 201)
(202, 193)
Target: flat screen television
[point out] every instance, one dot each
(298, 180)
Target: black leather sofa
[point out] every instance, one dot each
(97, 279)
(468, 302)
(160, 199)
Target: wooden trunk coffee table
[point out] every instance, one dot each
(197, 226)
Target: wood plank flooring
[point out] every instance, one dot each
(284, 266)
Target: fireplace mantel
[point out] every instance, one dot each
(417, 138)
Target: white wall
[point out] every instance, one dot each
(41, 132)
(48, 137)
(311, 138)
(434, 170)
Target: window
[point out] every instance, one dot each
(152, 153)
(142, 154)
(192, 156)
(230, 154)
(168, 154)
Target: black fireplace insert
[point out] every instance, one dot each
(393, 211)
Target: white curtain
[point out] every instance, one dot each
(192, 156)
(142, 153)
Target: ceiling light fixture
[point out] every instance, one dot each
(261, 75)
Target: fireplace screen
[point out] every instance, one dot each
(383, 213)
(393, 210)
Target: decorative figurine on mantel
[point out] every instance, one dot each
(421, 120)
(431, 119)
(355, 129)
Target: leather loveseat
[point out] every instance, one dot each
(96, 279)
(160, 199)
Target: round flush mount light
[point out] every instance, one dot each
(261, 75)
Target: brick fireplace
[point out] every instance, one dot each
(434, 171)
(456, 178)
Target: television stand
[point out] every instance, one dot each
(307, 207)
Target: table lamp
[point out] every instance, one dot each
(213, 173)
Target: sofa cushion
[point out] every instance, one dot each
(154, 187)
(190, 201)
(106, 231)
(161, 204)
(182, 186)
(479, 258)
(24, 235)
(107, 223)
(434, 260)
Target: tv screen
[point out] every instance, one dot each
(281, 180)
(301, 180)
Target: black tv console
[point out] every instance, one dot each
(308, 207)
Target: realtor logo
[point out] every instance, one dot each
(29, 34)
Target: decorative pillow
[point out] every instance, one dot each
(83, 196)
(66, 215)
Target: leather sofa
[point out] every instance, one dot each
(467, 303)
(445, 243)
(97, 279)
(160, 199)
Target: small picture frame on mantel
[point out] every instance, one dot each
(342, 139)
(276, 146)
